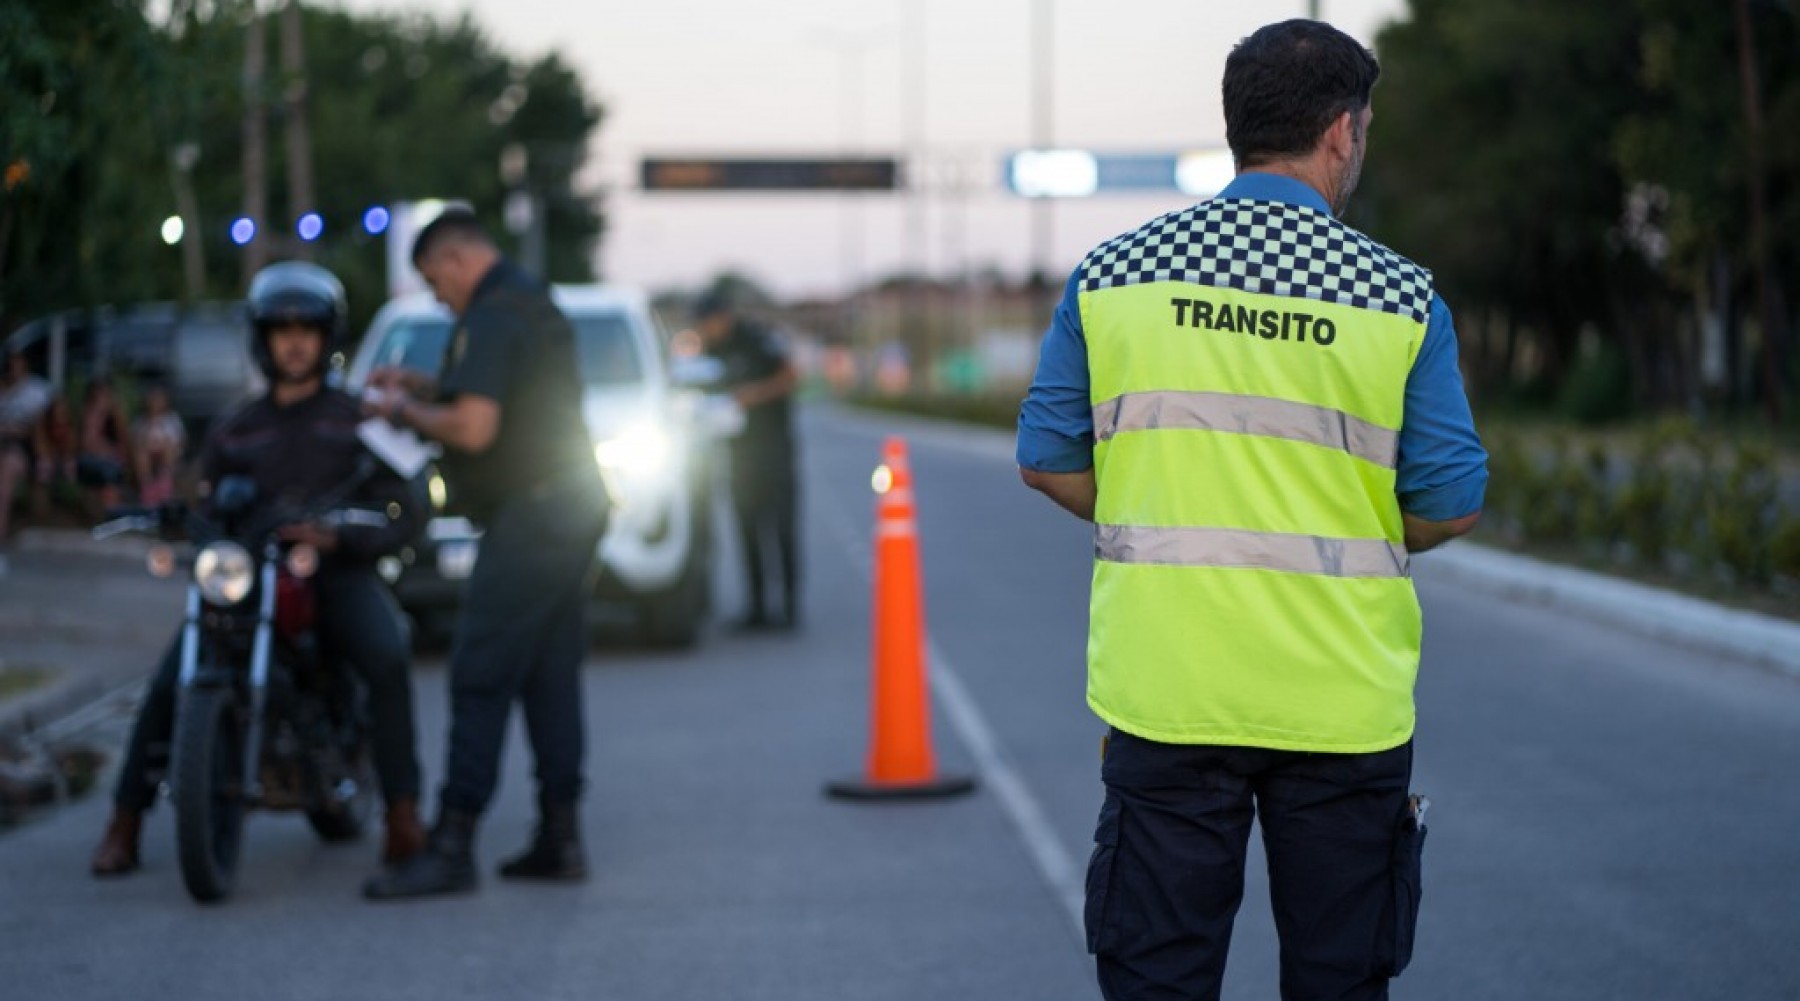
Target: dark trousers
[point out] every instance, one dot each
(359, 626)
(1167, 873)
(522, 635)
(765, 500)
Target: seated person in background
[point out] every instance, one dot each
(23, 397)
(158, 440)
(103, 446)
(54, 447)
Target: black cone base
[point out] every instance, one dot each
(941, 787)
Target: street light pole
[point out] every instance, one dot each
(298, 136)
(256, 158)
(851, 47)
(1042, 137)
(193, 264)
(912, 104)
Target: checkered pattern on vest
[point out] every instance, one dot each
(1267, 247)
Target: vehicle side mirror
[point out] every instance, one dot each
(233, 497)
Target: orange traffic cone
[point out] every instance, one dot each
(901, 764)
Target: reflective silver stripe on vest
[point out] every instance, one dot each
(1231, 547)
(1256, 415)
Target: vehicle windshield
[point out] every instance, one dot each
(603, 341)
(417, 344)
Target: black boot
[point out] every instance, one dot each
(447, 865)
(555, 854)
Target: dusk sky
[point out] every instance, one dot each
(817, 77)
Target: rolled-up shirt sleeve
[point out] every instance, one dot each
(1442, 473)
(1056, 421)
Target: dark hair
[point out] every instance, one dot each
(1286, 84)
(712, 302)
(453, 225)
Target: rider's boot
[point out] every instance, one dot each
(447, 865)
(117, 853)
(406, 834)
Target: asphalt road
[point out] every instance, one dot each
(1613, 818)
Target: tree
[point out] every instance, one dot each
(1578, 178)
(96, 99)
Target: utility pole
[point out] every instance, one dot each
(193, 263)
(912, 106)
(1770, 320)
(298, 135)
(256, 160)
(1042, 137)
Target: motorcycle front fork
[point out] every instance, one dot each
(260, 650)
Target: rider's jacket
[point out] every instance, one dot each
(297, 454)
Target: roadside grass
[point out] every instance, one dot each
(16, 680)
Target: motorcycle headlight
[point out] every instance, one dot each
(638, 453)
(225, 573)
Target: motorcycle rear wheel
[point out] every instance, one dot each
(207, 767)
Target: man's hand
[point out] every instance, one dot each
(762, 391)
(1422, 535)
(323, 539)
(390, 378)
(1075, 493)
(386, 404)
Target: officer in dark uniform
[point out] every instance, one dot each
(296, 443)
(519, 463)
(764, 482)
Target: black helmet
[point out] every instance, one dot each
(295, 292)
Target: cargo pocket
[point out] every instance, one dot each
(1409, 847)
(1098, 914)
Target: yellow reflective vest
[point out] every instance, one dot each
(1248, 363)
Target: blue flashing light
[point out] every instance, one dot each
(310, 226)
(375, 221)
(243, 230)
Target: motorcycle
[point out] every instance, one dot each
(262, 721)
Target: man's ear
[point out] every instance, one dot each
(1340, 137)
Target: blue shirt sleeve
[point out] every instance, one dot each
(1056, 421)
(1442, 473)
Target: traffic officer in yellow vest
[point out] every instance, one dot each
(1259, 409)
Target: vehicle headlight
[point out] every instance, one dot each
(225, 573)
(638, 453)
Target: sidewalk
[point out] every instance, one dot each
(86, 615)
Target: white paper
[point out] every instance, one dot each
(401, 449)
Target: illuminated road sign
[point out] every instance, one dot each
(762, 174)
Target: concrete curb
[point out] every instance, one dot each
(77, 542)
(1665, 615)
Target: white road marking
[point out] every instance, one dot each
(1058, 867)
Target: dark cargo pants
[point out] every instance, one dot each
(1167, 873)
(522, 635)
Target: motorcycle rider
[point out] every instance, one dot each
(297, 443)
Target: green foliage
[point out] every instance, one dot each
(1784, 548)
(97, 97)
(1564, 166)
(1743, 515)
(1598, 388)
(1663, 493)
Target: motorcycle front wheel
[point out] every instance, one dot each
(208, 787)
